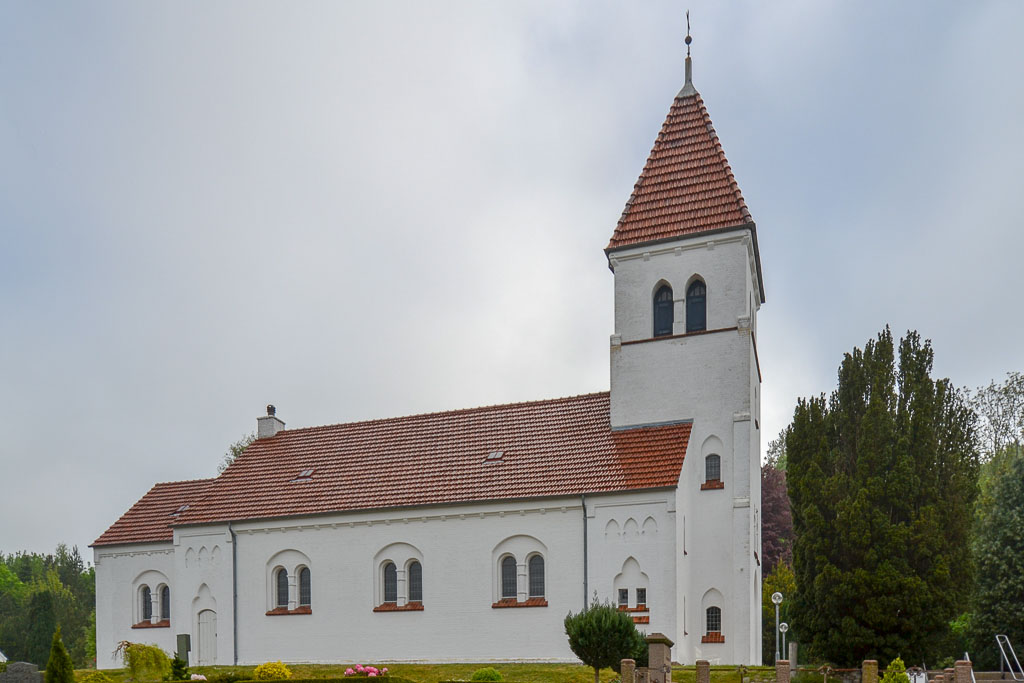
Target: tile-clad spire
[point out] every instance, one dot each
(686, 186)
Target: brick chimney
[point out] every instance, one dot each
(269, 424)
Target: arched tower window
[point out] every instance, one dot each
(390, 582)
(305, 588)
(282, 588)
(713, 468)
(714, 620)
(415, 582)
(536, 567)
(696, 307)
(508, 577)
(165, 603)
(663, 311)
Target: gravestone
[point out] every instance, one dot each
(21, 672)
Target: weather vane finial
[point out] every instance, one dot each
(688, 38)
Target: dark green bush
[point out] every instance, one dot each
(58, 667)
(179, 670)
(488, 673)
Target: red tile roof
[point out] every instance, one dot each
(151, 517)
(687, 186)
(548, 448)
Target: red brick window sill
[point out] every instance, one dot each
(638, 608)
(642, 620)
(512, 602)
(393, 607)
(713, 637)
(280, 611)
(712, 484)
(163, 623)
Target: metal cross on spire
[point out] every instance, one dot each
(688, 38)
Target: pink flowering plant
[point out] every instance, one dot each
(367, 671)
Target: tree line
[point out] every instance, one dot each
(38, 593)
(893, 514)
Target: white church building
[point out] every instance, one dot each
(469, 535)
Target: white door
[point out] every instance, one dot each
(207, 637)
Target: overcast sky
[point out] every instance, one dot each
(361, 210)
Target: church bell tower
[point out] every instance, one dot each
(687, 291)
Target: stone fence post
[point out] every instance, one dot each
(659, 658)
(703, 671)
(782, 671)
(947, 674)
(628, 668)
(963, 669)
(869, 671)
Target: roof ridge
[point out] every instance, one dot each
(182, 481)
(437, 413)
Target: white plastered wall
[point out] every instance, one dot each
(711, 379)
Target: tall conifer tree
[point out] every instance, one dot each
(882, 477)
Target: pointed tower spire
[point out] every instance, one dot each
(687, 186)
(688, 88)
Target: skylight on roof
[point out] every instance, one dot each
(494, 456)
(304, 475)
(179, 510)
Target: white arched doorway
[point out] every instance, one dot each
(207, 654)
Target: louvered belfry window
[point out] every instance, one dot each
(415, 582)
(508, 577)
(305, 588)
(696, 307)
(536, 576)
(663, 311)
(390, 582)
(282, 587)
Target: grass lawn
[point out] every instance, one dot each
(513, 672)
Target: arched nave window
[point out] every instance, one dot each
(536, 569)
(146, 598)
(508, 577)
(415, 582)
(663, 311)
(305, 588)
(696, 307)
(390, 582)
(165, 603)
(281, 581)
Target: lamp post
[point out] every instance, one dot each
(777, 599)
(783, 627)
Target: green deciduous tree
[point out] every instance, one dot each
(235, 450)
(602, 636)
(1000, 408)
(882, 478)
(998, 600)
(58, 666)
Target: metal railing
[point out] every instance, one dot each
(1004, 644)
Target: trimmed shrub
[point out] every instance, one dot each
(228, 677)
(488, 673)
(602, 635)
(896, 672)
(58, 667)
(95, 677)
(272, 671)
